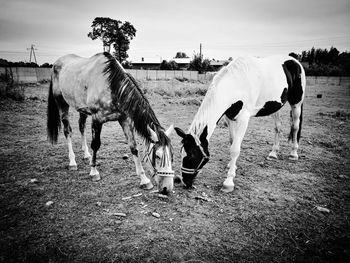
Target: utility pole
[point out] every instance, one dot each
(200, 50)
(32, 52)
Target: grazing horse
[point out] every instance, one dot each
(100, 87)
(246, 87)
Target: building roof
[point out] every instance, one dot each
(218, 62)
(182, 60)
(158, 61)
(147, 61)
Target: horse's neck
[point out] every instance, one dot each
(215, 103)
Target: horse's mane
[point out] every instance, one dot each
(236, 68)
(127, 94)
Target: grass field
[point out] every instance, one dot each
(280, 211)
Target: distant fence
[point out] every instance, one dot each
(321, 80)
(32, 75)
(163, 74)
(27, 75)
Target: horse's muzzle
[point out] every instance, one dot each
(188, 179)
(166, 182)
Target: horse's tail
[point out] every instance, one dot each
(300, 125)
(53, 117)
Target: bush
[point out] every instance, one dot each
(8, 89)
(199, 64)
(171, 65)
(15, 92)
(323, 70)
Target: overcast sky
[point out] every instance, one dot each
(226, 28)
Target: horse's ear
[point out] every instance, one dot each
(153, 134)
(180, 132)
(203, 137)
(169, 130)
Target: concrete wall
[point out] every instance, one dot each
(27, 75)
(320, 80)
(32, 75)
(163, 74)
(310, 80)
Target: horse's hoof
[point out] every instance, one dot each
(227, 188)
(293, 157)
(177, 179)
(147, 186)
(72, 167)
(96, 177)
(272, 156)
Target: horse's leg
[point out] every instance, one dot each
(276, 143)
(68, 134)
(295, 126)
(128, 129)
(239, 129)
(231, 131)
(96, 128)
(84, 147)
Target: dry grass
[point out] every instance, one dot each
(271, 216)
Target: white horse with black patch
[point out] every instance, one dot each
(246, 87)
(99, 86)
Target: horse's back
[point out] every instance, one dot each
(277, 86)
(75, 65)
(264, 84)
(81, 81)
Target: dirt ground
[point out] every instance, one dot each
(280, 211)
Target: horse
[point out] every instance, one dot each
(246, 87)
(99, 87)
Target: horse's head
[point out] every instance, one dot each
(160, 156)
(194, 154)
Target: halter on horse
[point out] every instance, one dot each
(246, 87)
(100, 87)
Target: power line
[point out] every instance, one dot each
(32, 51)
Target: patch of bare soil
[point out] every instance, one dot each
(280, 211)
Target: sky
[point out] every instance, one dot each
(225, 28)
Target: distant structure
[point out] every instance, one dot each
(32, 52)
(150, 63)
(183, 63)
(218, 64)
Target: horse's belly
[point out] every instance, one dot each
(272, 97)
(75, 97)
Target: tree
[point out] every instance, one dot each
(323, 62)
(181, 55)
(197, 63)
(102, 27)
(171, 65)
(311, 56)
(3, 62)
(333, 55)
(46, 65)
(127, 64)
(344, 62)
(122, 39)
(113, 33)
